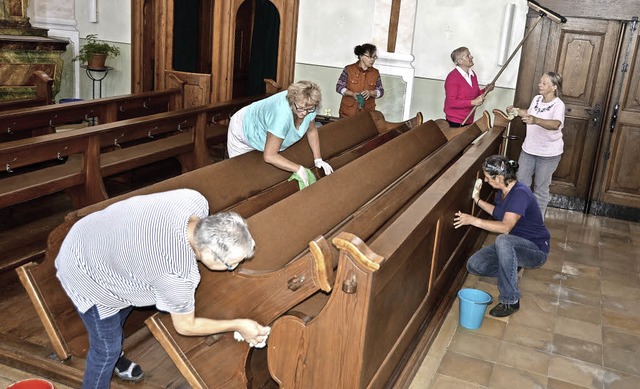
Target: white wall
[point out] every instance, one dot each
(440, 27)
(328, 30)
(113, 26)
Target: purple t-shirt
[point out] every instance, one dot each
(530, 226)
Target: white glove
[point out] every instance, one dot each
(302, 173)
(238, 336)
(322, 164)
(475, 196)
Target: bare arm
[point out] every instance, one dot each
(188, 325)
(502, 227)
(547, 124)
(272, 155)
(314, 140)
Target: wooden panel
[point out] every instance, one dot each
(197, 88)
(582, 51)
(361, 337)
(597, 9)
(622, 175)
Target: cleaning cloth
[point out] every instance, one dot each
(311, 179)
(237, 336)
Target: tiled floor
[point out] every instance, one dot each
(579, 321)
(578, 326)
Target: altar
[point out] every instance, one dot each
(25, 49)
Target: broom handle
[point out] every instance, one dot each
(513, 54)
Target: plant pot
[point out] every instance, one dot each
(96, 61)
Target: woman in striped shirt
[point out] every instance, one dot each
(143, 251)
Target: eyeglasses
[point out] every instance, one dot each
(302, 109)
(368, 56)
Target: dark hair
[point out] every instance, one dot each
(497, 165)
(364, 49)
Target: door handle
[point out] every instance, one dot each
(594, 114)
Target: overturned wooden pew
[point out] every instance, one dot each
(390, 291)
(352, 137)
(361, 197)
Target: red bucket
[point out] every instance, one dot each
(33, 383)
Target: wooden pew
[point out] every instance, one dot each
(58, 314)
(416, 260)
(43, 86)
(283, 272)
(28, 122)
(100, 151)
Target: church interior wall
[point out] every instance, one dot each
(327, 33)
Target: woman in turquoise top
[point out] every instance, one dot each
(273, 124)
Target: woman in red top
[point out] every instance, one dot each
(461, 88)
(360, 84)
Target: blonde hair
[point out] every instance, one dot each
(304, 90)
(556, 79)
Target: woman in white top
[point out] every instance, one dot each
(543, 145)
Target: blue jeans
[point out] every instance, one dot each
(541, 168)
(502, 259)
(105, 346)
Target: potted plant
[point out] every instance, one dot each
(95, 52)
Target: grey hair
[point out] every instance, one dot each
(457, 54)
(225, 234)
(306, 90)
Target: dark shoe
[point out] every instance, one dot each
(127, 370)
(504, 310)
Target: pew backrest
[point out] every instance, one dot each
(413, 259)
(212, 180)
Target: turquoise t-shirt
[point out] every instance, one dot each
(273, 115)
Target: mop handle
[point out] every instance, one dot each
(542, 12)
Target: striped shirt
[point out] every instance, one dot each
(135, 252)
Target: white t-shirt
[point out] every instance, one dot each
(540, 141)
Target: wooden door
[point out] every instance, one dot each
(583, 52)
(622, 158)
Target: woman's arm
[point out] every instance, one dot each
(188, 325)
(547, 124)
(501, 227)
(271, 154)
(314, 140)
(341, 85)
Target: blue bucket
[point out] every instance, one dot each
(473, 305)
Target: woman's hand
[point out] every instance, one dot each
(366, 94)
(529, 119)
(475, 195)
(462, 219)
(253, 332)
(477, 101)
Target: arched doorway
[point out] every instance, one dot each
(255, 55)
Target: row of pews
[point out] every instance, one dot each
(353, 273)
(127, 133)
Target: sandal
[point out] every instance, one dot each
(127, 370)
